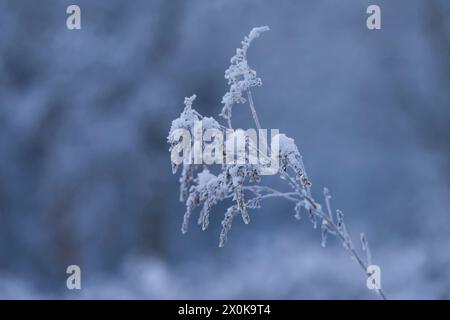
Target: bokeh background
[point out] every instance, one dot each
(85, 172)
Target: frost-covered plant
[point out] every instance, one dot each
(241, 182)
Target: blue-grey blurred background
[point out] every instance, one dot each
(85, 172)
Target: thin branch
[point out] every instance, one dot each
(252, 108)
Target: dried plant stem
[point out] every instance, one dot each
(208, 189)
(229, 123)
(253, 110)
